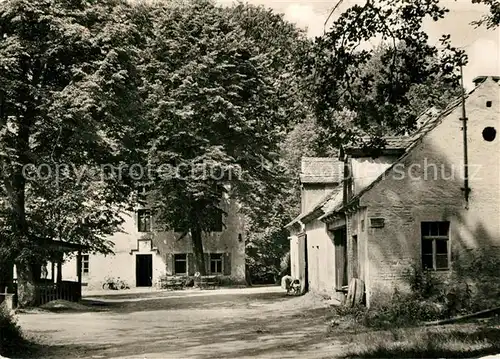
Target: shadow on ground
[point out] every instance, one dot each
(194, 327)
(242, 337)
(123, 305)
(470, 340)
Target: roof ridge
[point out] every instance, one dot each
(321, 203)
(416, 137)
(319, 158)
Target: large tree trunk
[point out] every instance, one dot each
(59, 272)
(26, 294)
(199, 258)
(17, 189)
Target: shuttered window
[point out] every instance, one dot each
(216, 263)
(180, 264)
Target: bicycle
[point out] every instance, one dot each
(111, 283)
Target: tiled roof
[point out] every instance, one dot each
(334, 201)
(321, 170)
(389, 142)
(323, 205)
(431, 119)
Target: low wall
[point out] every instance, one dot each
(7, 301)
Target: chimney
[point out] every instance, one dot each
(480, 79)
(318, 177)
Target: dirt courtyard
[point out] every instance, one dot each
(236, 323)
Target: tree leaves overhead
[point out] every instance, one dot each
(69, 107)
(348, 73)
(492, 19)
(215, 94)
(89, 88)
(220, 93)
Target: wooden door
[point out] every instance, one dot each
(144, 270)
(340, 241)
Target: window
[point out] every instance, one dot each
(180, 264)
(216, 263)
(144, 220)
(85, 264)
(435, 245)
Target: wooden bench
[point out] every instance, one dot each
(173, 282)
(206, 282)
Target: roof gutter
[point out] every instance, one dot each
(312, 215)
(296, 221)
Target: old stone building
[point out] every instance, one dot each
(410, 203)
(321, 189)
(142, 255)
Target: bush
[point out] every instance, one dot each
(424, 284)
(11, 338)
(404, 309)
(451, 291)
(471, 286)
(479, 270)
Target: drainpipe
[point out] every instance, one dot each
(466, 188)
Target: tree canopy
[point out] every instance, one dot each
(69, 108)
(492, 19)
(221, 95)
(209, 99)
(359, 89)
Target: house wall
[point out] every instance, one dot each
(313, 193)
(298, 244)
(356, 226)
(320, 258)
(128, 243)
(366, 169)
(294, 256)
(426, 186)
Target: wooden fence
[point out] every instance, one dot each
(66, 290)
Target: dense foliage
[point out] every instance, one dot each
(383, 89)
(220, 95)
(68, 106)
(268, 243)
(11, 336)
(92, 92)
(492, 19)
(217, 103)
(471, 286)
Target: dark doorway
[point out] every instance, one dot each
(340, 239)
(355, 257)
(143, 270)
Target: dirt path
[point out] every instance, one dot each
(230, 324)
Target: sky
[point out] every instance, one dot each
(481, 45)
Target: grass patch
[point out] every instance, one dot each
(12, 341)
(465, 340)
